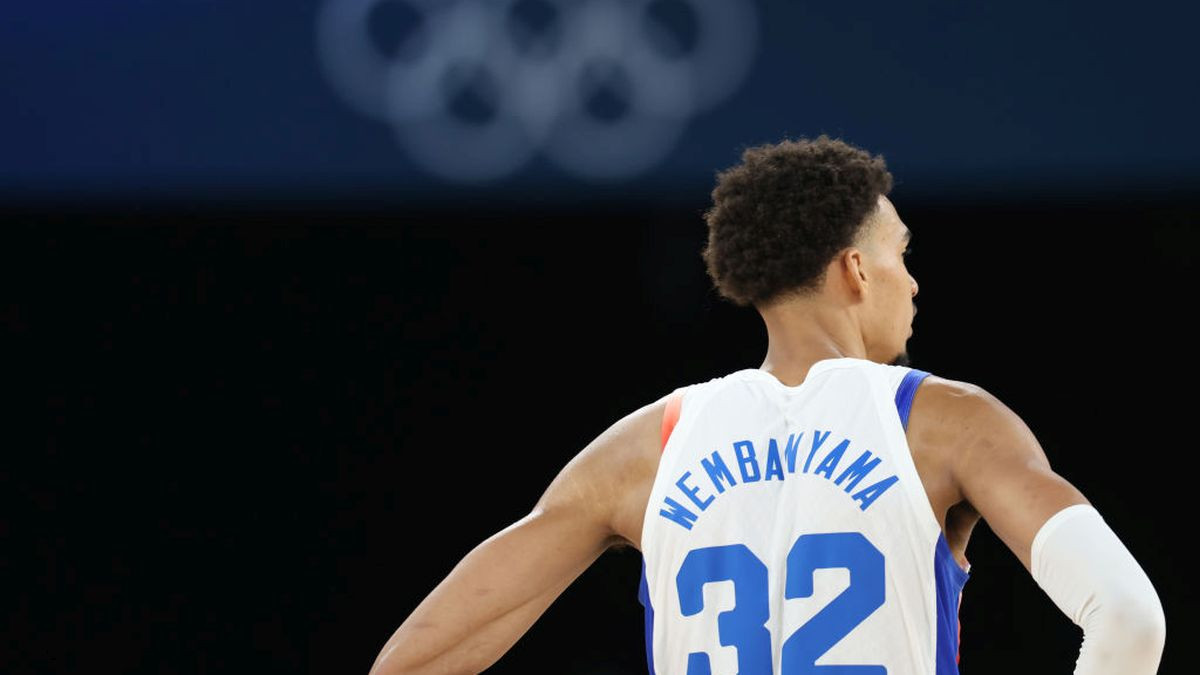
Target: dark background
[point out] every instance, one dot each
(271, 434)
(291, 379)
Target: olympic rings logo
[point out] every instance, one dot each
(476, 88)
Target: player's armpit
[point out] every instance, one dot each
(498, 590)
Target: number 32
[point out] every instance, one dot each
(744, 626)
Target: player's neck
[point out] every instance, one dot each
(798, 337)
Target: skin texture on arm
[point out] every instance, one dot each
(499, 589)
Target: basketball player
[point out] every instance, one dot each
(813, 511)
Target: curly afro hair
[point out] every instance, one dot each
(784, 212)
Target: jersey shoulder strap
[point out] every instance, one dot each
(906, 390)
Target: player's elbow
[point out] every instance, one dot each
(398, 666)
(1133, 626)
(1141, 617)
(389, 662)
(397, 659)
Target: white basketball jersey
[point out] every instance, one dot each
(788, 529)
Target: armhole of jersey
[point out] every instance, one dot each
(671, 416)
(950, 577)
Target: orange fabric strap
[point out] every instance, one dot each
(671, 415)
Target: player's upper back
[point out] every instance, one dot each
(747, 430)
(806, 498)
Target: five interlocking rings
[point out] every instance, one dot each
(474, 93)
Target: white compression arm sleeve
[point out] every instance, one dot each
(1080, 563)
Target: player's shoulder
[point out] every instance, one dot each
(604, 481)
(623, 460)
(631, 445)
(638, 432)
(638, 428)
(947, 391)
(618, 468)
(635, 438)
(955, 413)
(945, 394)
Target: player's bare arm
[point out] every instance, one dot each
(996, 466)
(991, 460)
(497, 591)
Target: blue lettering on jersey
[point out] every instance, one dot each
(691, 492)
(818, 441)
(676, 512)
(746, 461)
(793, 446)
(869, 495)
(716, 467)
(831, 460)
(717, 470)
(861, 467)
(774, 465)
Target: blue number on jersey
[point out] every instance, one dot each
(744, 626)
(863, 596)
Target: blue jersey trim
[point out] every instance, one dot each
(949, 579)
(644, 598)
(948, 576)
(904, 393)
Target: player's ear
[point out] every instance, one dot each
(850, 266)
